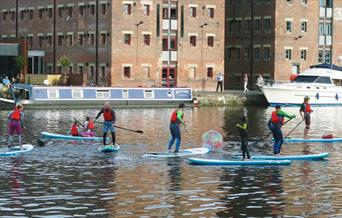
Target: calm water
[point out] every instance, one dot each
(65, 179)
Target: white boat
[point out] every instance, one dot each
(322, 83)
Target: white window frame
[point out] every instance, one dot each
(103, 93)
(289, 20)
(288, 56)
(77, 93)
(305, 22)
(53, 93)
(148, 94)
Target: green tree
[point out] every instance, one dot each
(20, 61)
(65, 62)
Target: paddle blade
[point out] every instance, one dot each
(327, 136)
(212, 140)
(40, 143)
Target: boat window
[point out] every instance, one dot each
(338, 82)
(323, 79)
(77, 93)
(306, 79)
(148, 93)
(53, 93)
(125, 93)
(102, 94)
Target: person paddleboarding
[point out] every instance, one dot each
(305, 112)
(175, 122)
(15, 124)
(109, 120)
(242, 127)
(275, 124)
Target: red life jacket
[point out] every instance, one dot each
(276, 119)
(107, 115)
(307, 107)
(173, 118)
(91, 124)
(16, 114)
(74, 130)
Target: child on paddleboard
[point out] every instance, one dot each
(242, 127)
(74, 130)
(305, 112)
(275, 124)
(15, 124)
(89, 125)
(175, 122)
(109, 120)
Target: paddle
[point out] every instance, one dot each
(264, 138)
(119, 127)
(39, 142)
(293, 129)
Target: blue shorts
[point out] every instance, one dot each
(108, 126)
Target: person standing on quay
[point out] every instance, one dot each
(260, 81)
(245, 83)
(305, 112)
(219, 79)
(109, 120)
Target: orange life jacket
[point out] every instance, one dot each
(173, 118)
(307, 107)
(91, 124)
(74, 130)
(107, 115)
(16, 114)
(276, 119)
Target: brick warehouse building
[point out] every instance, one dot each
(139, 43)
(286, 36)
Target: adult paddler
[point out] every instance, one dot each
(175, 122)
(109, 120)
(16, 118)
(305, 112)
(275, 124)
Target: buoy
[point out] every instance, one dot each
(327, 136)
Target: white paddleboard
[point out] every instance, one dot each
(181, 153)
(109, 148)
(15, 150)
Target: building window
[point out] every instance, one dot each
(304, 2)
(31, 14)
(321, 29)
(50, 12)
(59, 69)
(238, 26)
(147, 10)
(70, 11)
(165, 13)
(192, 11)
(266, 53)
(91, 72)
(210, 41)
(288, 54)
(13, 15)
(211, 12)
(289, 1)
(22, 15)
(210, 72)
(81, 39)
(91, 38)
(230, 26)
(127, 39)
(4, 16)
(40, 13)
(247, 53)
(267, 25)
(40, 41)
(328, 29)
(81, 10)
(238, 54)
(288, 26)
(60, 39)
(247, 25)
(92, 9)
(320, 56)
(303, 26)
(146, 39)
(303, 55)
(103, 71)
(127, 8)
(229, 54)
(60, 12)
(257, 25)
(103, 38)
(327, 57)
(30, 41)
(70, 40)
(49, 69)
(103, 9)
(127, 72)
(192, 40)
(80, 69)
(256, 53)
(70, 69)
(49, 39)
(146, 71)
(172, 46)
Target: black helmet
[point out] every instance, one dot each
(181, 105)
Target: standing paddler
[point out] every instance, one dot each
(275, 124)
(109, 120)
(305, 112)
(16, 118)
(175, 122)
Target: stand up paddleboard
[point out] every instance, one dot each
(4, 152)
(292, 157)
(200, 161)
(318, 140)
(109, 148)
(181, 153)
(69, 137)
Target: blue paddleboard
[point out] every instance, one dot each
(200, 161)
(69, 137)
(292, 157)
(181, 153)
(319, 140)
(109, 148)
(4, 152)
